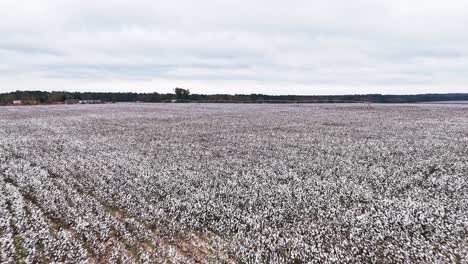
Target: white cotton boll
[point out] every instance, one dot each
(312, 183)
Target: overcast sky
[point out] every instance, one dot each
(227, 46)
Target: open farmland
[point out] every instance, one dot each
(234, 183)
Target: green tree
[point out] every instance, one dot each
(182, 93)
(56, 97)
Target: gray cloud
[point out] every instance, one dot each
(304, 47)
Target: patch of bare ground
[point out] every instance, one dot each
(193, 247)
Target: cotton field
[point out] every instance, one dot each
(191, 183)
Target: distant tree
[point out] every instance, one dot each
(182, 93)
(56, 97)
(40, 97)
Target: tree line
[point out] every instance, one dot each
(184, 95)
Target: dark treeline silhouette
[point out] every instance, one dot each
(183, 95)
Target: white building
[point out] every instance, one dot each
(24, 102)
(90, 101)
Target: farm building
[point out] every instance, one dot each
(90, 101)
(24, 102)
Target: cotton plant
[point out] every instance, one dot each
(233, 183)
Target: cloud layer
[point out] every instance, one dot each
(223, 46)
